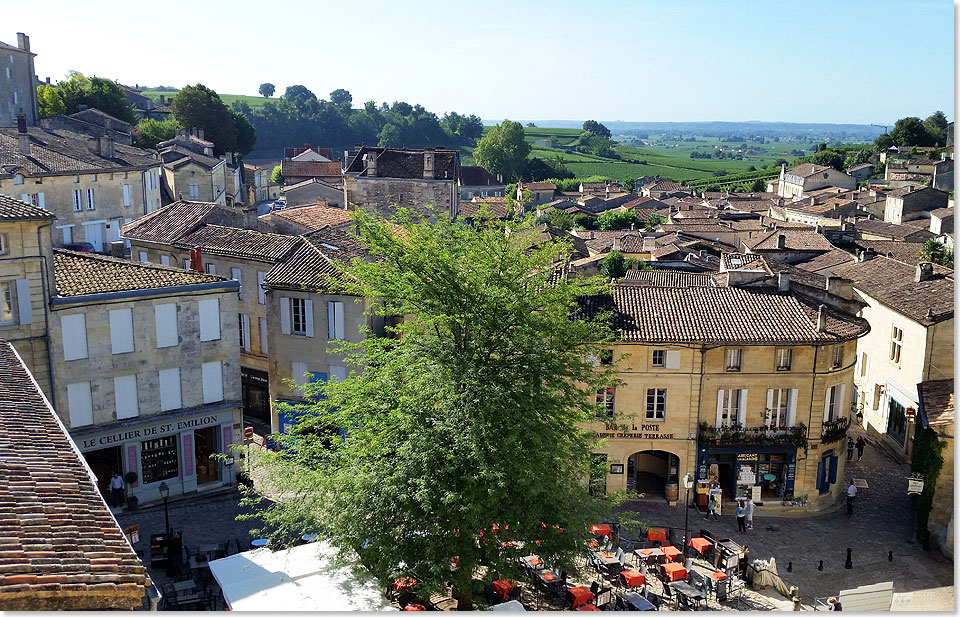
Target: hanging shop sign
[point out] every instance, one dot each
(915, 484)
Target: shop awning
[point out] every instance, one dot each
(302, 578)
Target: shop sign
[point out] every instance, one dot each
(148, 431)
(915, 484)
(644, 431)
(254, 376)
(791, 472)
(616, 468)
(746, 457)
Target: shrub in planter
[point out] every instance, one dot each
(130, 477)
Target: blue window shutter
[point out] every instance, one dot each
(833, 469)
(820, 476)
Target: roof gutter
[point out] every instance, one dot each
(94, 298)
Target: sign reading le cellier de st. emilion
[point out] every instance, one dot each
(151, 431)
(623, 431)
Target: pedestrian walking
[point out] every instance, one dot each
(860, 445)
(850, 448)
(116, 489)
(712, 508)
(851, 496)
(835, 604)
(749, 507)
(741, 517)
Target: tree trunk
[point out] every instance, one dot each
(465, 599)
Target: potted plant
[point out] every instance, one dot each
(132, 501)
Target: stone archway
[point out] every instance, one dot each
(654, 473)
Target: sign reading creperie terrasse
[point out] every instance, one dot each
(152, 431)
(614, 432)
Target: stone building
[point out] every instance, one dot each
(379, 179)
(540, 192)
(18, 83)
(62, 547)
(303, 220)
(910, 311)
(296, 171)
(93, 123)
(26, 281)
(936, 412)
(799, 180)
(789, 245)
(92, 185)
(191, 171)
(741, 379)
(475, 181)
(312, 191)
(146, 370)
(912, 203)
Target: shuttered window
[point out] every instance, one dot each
(80, 404)
(210, 320)
(125, 396)
(167, 331)
(335, 320)
(170, 397)
(121, 331)
(212, 373)
(74, 336)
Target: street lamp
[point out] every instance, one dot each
(164, 493)
(687, 485)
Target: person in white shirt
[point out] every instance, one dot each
(116, 489)
(851, 495)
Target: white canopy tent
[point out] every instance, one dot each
(302, 578)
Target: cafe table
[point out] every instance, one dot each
(502, 587)
(404, 583)
(719, 575)
(657, 534)
(602, 529)
(414, 607)
(259, 543)
(691, 592)
(671, 552)
(549, 577)
(532, 561)
(632, 578)
(581, 595)
(700, 544)
(638, 602)
(607, 558)
(674, 571)
(588, 607)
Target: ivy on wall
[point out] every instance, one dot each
(927, 459)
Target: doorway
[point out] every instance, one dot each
(103, 463)
(205, 444)
(256, 400)
(649, 472)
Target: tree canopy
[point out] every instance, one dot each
(150, 132)
(200, 107)
(503, 151)
(341, 97)
(936, 252)
(68, 95)
(299, 92)
(595, 128)
(465, 427)
(267, 89)
(911, 131)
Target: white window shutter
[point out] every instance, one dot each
(826, 404)
(261, 292)
(170, 394)
(125, 396)
(768, 412)
(24, 308)
(237, 275)
(164, 260)
(331, 321)
(166, 325)
(338, 319)
(210, 320)
(143, 256)
(308, 309)
(284, 315)
(74, 332)
(121, 331)
(792, 407)
(80, 404)
(264, 348)
(40, 201)
(212, 373)
(742, 408)
(672, 359)
(67, 235)
(299, 372)
(840, 407)
(719, 408)
(211, 268)
(25, 197)
(245, 324)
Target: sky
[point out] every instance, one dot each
(849, 61)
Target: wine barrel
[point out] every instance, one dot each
(672, 491)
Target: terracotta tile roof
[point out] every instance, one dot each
(632, 243)
(795, 240)
(907, 252)
(663, 185)
(79, 274)
(942, 213)
(62, 152)
(893, 284)
(668, 251)
(306, 268)
(495, 199)
(314, 217)
(538, 186)
(406, 163)
(719, 315)
(545, 233)
(911, 190)
(936, 402)
(893, 231)
(235, 242)
(797, 275)
(742, 261)
(668, 278)
(805, 170)
(470, 209)
(172, 222)
(178, 156)
(646, 202)
(474, 175)
(309, 169)
(859, 167)
(60, 547)
(829, 259)
(14, 209)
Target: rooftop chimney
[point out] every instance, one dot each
(783, 281)
(93, 145)
(867, 254)
(822, 318)
(23, 41)
(196, 260)
(781, 241)
(371, 164)
(106, 147)
(23, 140)
(924, 271)
(200, 133)
(428, 164)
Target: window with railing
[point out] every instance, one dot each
(606, 400)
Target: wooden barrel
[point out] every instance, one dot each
(672, 491)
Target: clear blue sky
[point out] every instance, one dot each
(858, 61)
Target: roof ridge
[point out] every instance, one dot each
(129, 262)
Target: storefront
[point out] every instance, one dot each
(762, 472)
(256, 399)
(174, 448)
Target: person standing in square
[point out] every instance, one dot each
(851, 497)
(116, 489)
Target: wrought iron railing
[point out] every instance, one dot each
(754, 435)
(834, 430)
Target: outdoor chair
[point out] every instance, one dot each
(489, 595)
(683, 603)
(654, 600)
(594, 587)
(669, 595)
(603, 598)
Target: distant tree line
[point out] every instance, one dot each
(915, 132)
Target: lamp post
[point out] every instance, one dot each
(164, 493)
(687, 485)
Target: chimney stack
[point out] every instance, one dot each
(867, 254)
(200, 133)
(106, 147)
(822, 318)
(372, 164)
(196, 260)
(783, 281)
(93, 145)
(924, 272)
(23, 139)
(781, 241)
(23, 41)
(428, 164)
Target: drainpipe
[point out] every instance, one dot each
(45, 289)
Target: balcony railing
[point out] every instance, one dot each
(754, 435)
(834, 430)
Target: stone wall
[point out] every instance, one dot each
(381, 195)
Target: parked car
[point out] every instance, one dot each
(82, 247)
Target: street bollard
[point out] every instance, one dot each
(890, 556)
(789, 566)
(820, 567)
(849, 564)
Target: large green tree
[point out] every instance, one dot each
(464, 430)
(200, 107)
(936, 127)
(151, 132)
(77, 90)
(595, 128)
(503, 151)
(267, 89)
(49, 101)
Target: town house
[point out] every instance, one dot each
(192, 171)
(800, 180)
(19, 82)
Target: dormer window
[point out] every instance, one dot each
(733, 360)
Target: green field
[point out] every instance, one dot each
(228, 99)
